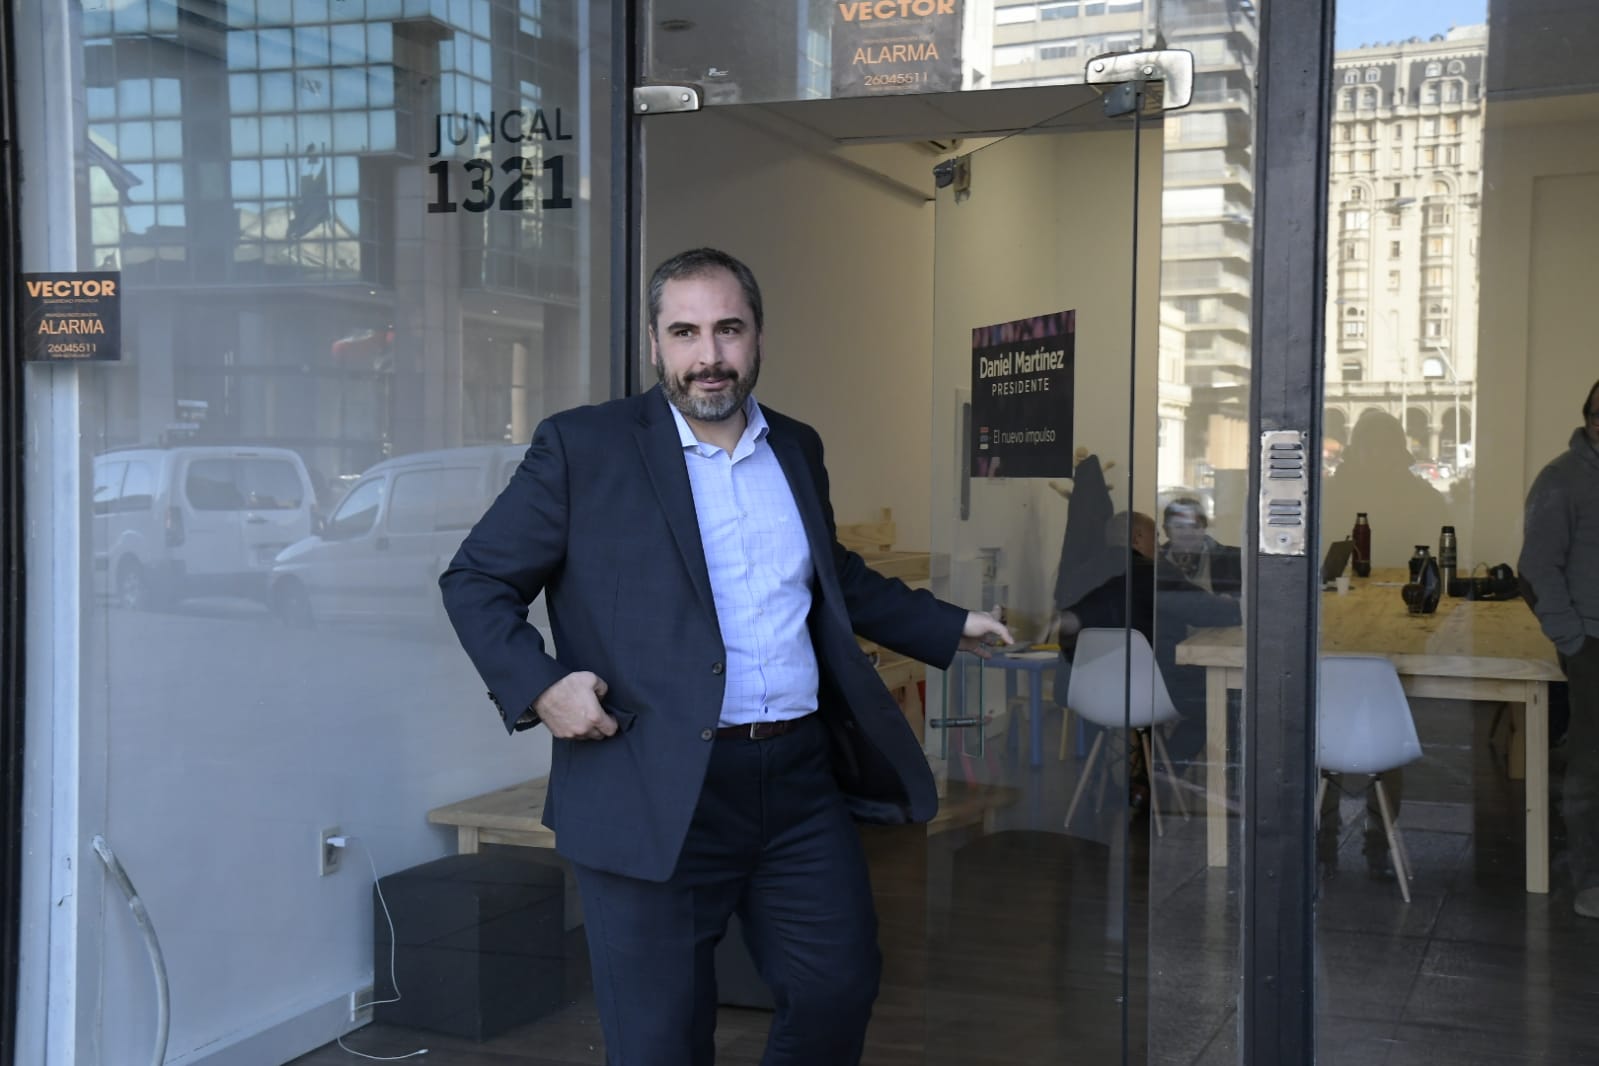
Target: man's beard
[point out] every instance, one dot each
(717, 407)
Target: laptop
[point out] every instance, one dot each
(1339, 552)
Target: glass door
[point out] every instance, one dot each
(1457, 883)
(1076, 902)
(1074, 452)
(1035, 876)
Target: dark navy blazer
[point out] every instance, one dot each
(600, 518)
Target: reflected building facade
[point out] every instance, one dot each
(1402, 285)
(300, 280)
(1206, 208)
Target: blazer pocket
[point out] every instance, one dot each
(625, 719)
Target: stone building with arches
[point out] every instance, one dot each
(1402, 286)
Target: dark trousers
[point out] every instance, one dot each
(771, 841)
(1580, 800)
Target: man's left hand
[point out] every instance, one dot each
(981, 631)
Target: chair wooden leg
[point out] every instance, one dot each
(1394, 852)
(1104, 777)
(1404, 852)
(1171, 772)
(1082, 780)
(1154, 793)
(1065, 730)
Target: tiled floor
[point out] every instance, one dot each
(1008, 947)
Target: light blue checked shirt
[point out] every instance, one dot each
(760, 568)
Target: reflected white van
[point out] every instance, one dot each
(203, 520)
(380, 554)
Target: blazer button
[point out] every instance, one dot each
(716, 668)
(707, 734)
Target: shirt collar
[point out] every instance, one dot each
(755, 426)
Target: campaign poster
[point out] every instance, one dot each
(71, 317)
(896, 46)
(1022, 387)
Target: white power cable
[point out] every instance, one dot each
(342, 842)
(163, 1003)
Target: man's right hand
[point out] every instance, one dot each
(570, 709)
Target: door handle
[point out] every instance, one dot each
(381, 544)
(255, 520)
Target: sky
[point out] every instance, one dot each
(1370, 21)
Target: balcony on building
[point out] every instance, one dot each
(1205, 240)
(1204, 277)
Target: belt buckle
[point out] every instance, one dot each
(755, 730)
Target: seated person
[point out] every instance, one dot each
(1190, 549)
(1165, 607)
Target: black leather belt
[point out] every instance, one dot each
(763, 730)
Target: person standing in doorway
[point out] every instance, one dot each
(1559, 567)
(716, 724)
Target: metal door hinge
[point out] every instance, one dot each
(1284, 493)
(956, 172)
(665, 99)
(1164, 78)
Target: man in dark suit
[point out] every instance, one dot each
(716, 724)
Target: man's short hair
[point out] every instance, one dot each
(1185, 503)
(1116, 528)
(696, 263)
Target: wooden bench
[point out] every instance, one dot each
(874, 542)
(505, 816)
(512, 815)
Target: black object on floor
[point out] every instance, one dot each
(479, 944)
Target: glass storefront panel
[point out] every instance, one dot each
(1456, 754)
(1197, 426)
(1035, 879)
(361, 250)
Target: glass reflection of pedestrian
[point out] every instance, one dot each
(1374, 476)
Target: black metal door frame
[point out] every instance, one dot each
(1290, 239)
(628, 34)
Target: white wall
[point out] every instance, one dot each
(847, 266)
(1539, 255)
(845, 262)
(1048, 227)
(232, 741)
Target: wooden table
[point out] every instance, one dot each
(1484, 652)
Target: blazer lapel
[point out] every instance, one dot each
(662, 451)
(803, 485)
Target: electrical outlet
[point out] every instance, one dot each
(328, 857)
(361, 1005)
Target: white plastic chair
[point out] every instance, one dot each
(1364, 726)
(1098, 680)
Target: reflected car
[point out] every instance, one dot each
(379, 555)
(195, 520)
